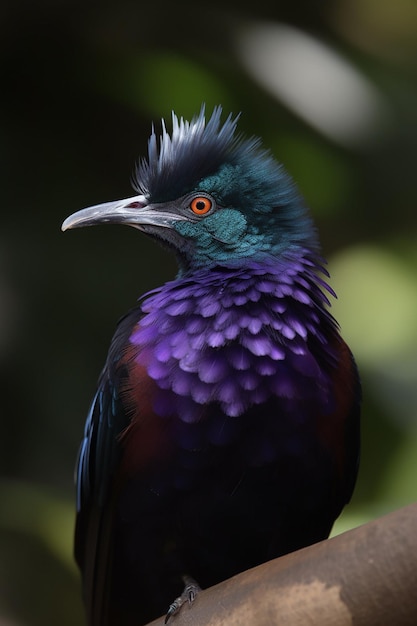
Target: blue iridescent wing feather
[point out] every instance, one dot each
(96, 473)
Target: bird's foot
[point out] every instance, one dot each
(189, 594)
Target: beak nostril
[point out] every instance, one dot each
(135, 205)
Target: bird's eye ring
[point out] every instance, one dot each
(200, 205)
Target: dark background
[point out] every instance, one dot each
(81, 83)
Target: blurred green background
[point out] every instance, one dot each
(332, 89)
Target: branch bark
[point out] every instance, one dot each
(364, 577)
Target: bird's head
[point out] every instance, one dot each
(211, 195)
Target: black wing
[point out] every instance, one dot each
(96, 471)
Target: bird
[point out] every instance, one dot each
(225, 429)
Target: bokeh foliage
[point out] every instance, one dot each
(81, 83)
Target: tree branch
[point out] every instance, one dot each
(364, 577)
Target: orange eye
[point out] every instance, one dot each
(201, 205)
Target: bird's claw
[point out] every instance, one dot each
(189, 594)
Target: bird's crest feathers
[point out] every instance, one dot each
(194, 150)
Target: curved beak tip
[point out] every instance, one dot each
(66, 225)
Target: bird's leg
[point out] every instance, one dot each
(191, 589)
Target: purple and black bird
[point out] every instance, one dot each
(225, 427)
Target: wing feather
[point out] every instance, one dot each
(97, 478)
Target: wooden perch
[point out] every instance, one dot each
(364, 577)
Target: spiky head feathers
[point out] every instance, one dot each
(193, 151)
